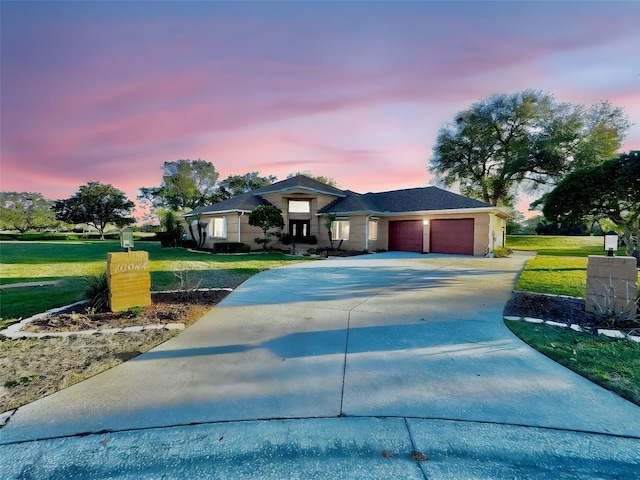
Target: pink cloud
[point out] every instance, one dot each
(307, 89)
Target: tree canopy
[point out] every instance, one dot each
(186, 185)
(236, 184)
(507, 141)
(24, 211)
(97, 205)
(319, 178)
(610, 191)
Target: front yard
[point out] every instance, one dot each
(560, 268)
(31, 368)
(71, 262)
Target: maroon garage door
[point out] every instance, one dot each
(405, 236)
(452, 236)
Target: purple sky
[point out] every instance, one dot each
(109, 91)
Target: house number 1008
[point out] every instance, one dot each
(131, 267)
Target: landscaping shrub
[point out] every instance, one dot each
(32, 237)
(313, 240)
(189, 244)
(38, 237)
(286, 239)
(150, 238)
(231, 247)
(167, 240)
(502, 252)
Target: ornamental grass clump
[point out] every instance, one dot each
(615, 310)
(97, 291)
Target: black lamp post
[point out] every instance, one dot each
(611, 243)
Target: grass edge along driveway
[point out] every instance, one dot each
(560, 268)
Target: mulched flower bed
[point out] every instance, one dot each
(173, 307)
(566, 310)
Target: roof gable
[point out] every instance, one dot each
(300, 182)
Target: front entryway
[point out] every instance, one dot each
(299, 230)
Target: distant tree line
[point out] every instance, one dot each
(186, 185)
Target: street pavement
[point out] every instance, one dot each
(391, 365)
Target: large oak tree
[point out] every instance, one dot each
(97, 205)
(507, 141)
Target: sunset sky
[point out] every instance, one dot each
(109, 91)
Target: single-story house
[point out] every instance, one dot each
(427, 220)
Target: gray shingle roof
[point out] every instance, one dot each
(244, 202)
(408, 200)
(396, 201)
(352, 202)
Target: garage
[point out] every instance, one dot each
(405, 236)
(454, 236)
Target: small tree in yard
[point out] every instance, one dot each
(266, 217)
(173, 228)
(201, 228)
(329, 224)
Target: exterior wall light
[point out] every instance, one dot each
(611, 243)
(425, 222)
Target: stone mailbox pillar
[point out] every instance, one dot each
(129, 280)
(612, 283)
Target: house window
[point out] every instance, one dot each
(341, 230)
(373, 230)
(299, 206)
(218, 227)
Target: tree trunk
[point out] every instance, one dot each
(631, 240)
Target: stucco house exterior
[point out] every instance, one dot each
(427, 220)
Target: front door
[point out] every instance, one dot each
(299, 230)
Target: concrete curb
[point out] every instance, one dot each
(576, 327)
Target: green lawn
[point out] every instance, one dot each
(70, 262)
(611, 363)
(560, 266)
(554, 275)
(559, 245)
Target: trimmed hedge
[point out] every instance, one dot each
(38, 237)
(231, 247)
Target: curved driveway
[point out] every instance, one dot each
(410, 349)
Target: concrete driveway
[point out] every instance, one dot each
(339, 369)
